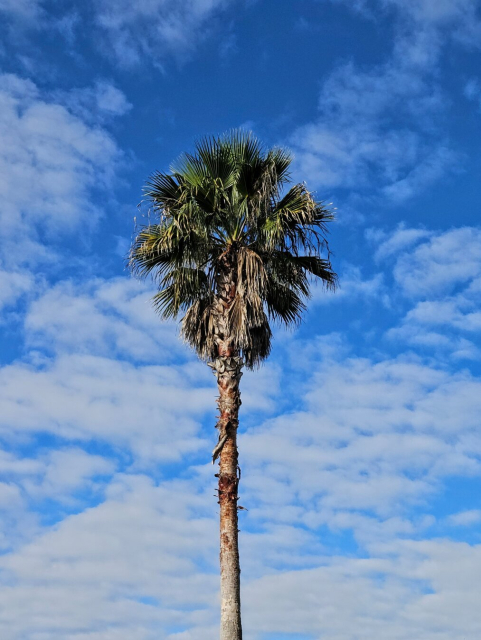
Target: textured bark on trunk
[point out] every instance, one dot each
(229, 399)
(227, 368)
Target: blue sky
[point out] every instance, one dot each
(360, 438)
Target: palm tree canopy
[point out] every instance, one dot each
(229, 206)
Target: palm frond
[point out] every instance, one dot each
(198, 327)
(229, 198)
(284, 304)
(179, 289)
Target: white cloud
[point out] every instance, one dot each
(154, 29)
(375, 128)
(50, 163)
(447, 312)
(102, 574)
(99, 102)
(439, 161)
(352, 287)
(8, 494)
(441, 271)
(114, 318)
(144, 563)
(20, 8)
(151, 410)
(166, 535)
(472, 91)
(441, 11)
(64, 472)
(442, 343)
(56, 474)
(129, 33)
(373, 439)
(373, 436)
(13, 285)
(95, 573)
(437, 266)
(418, 593)
(9, 464)
(459, 15)
(379, 128)
(465, 518)
(142, 401)
(18, 524)
(402, 238)
(103, 317)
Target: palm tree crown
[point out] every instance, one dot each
(228, 209)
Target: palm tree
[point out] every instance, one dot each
(233, 249)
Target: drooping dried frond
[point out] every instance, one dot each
(232, 239)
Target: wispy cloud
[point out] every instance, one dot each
(13, 285)
(441, 273)
(129, 34)
(98, 103)
(153, 30)
(86, 397)
(376, 128)
(440, 263)
(109, 317)
(409, 594)
(20, 9)
(95, 563)
(472, 91)
(379, 129)
(50, 163)
(373, 436)
(465, 518)
(459, 16)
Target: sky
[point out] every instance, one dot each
(360, 438)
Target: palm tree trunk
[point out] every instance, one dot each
(228, 370)
(229, 401)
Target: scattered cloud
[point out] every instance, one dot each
(94, 375)
(374, 437)
(472, 91)
(20, 9)
(352, 287)
(343, 456)
(416, 593)
(64, 472)
(98, 103)
(465, 518)
(380, 129)
(459, 16)
(154, 29)
(13, 285)
(402, 238)
(108, 317)
(103, 571)
(50, 163)
(87, 398)
(441, 273)
(375, 127)
(440, 264)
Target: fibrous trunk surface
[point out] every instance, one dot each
(227, 368)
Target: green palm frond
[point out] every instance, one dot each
(179, 289)
(232, 197)
(284, 305)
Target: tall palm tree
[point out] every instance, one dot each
(233, 248)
